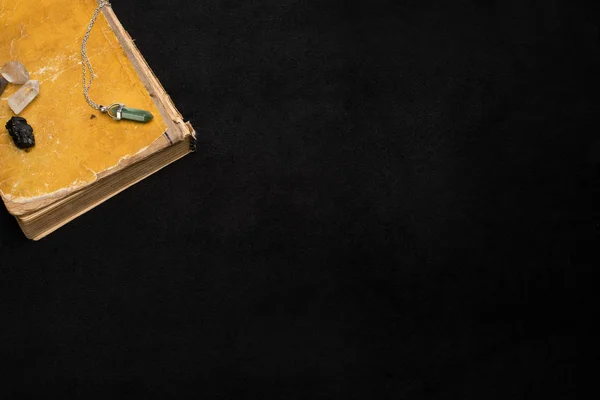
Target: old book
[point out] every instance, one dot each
(81, 157)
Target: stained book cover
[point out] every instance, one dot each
(76, 145)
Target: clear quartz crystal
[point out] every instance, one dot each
(15, 72)
(24, 96)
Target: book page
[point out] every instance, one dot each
(74, 143)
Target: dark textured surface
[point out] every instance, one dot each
(389, 200)
(20, 132)
(3, 84)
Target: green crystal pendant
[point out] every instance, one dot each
(133, 114)
(119, 112)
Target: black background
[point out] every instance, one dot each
(390, 199)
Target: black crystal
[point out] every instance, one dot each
(21, 132)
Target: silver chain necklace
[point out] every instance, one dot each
(116, 111)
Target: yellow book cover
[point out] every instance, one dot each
(76, 145)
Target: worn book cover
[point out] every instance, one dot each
(76, 146)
